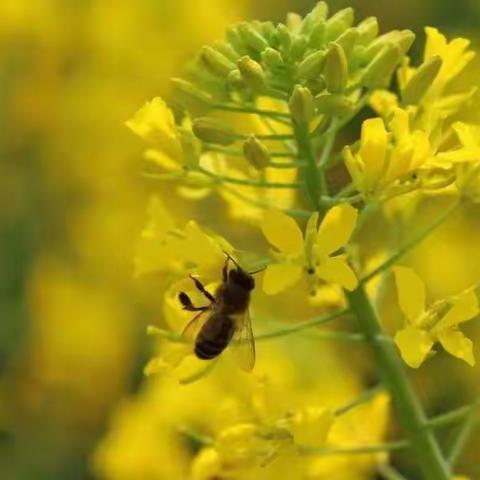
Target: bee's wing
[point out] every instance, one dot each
(192, 328)
(243, 344)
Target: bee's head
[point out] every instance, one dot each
(241, 278)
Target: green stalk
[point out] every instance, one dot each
(305, 153)
(424, 445)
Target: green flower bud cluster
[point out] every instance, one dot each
(329, 56)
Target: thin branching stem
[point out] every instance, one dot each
(453, 416)
(389, 473)
(415, 241)
(357, 450)
(365, 397)
(462, 437)
(257, 111)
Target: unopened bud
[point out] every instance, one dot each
(302, 104)
(311, 66)
(347, 40)
(318, 14)
(367, 30)
(256, 153)
(190, 96)
(402, 39)
(317, 36)
(252, 38)
(216, 62)
(235, 39)
(272, 58)
(299, 47)
(338, 23)
(235, 80)
(284, 38)
(334, 104)
(252, 72)
(421, 81)
(227, 50)
(336, 69)
(379, 72)
(211, 130)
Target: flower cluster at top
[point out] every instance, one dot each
(260, 127)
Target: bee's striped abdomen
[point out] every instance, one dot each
(214, 337)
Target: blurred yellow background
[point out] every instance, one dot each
(72, 204)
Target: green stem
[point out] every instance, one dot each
(248, 182)
(466, 430)
(360, 450)
(453, 416)
(411, 244)
(314, 322)
(239, 153)
(264, 204)
(362, 399)
(389, 473)
(305, 153)
(410, 413)
(257, 111)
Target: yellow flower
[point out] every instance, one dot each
(384, 160)
(312, 255)
(163, 247)
(439, 322)
(439, 103)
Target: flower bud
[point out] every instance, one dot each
(235, 39)
(338, 23)
(311, 66)
(379, 72)
(227, 50)
(284, 38)
(367, 30)
(317, 15)
(402, 39)
(216, 62)
(235, 80)
(206, 465)
(336, 69)
(256, 153)
(211, 130)
(334, 104)
(302, 105)
(347, 40)
(317, 37)
(299, 47)
(190, 96)
(421, 81)
(272, 58)
(252, 38)
(252, 72)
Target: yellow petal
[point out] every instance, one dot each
(337, 270)
(310, 235)
(457, 344)
(336, 229)
(373, 149)
(282, 232)
(280, 276)
(411, 293)
(464, 308)
(414, 345)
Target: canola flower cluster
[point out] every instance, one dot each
(260, 128)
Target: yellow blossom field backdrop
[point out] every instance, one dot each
(81, 280)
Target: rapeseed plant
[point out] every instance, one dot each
(259, 122)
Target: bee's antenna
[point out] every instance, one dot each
(232, 259)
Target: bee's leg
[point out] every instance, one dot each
(188, 304)
(202, 289)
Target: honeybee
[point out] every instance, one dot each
(225, 320)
